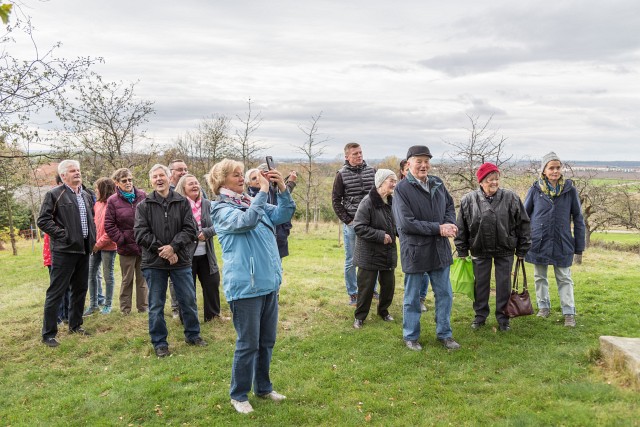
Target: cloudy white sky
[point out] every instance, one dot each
(556, 75)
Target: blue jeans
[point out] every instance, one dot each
(107, 259)
(441, 287)
(256, 323)
(425, 287)
(350, 279)
(157, 281)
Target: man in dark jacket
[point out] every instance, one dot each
(353, 181)
(66, 216)
(166, 231)
(425, 216)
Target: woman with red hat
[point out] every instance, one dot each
(493, 225)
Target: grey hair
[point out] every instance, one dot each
(247, 176)
(159, 166)
(182, 183)
(64, 166)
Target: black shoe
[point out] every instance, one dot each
(504, 327)
(80, 331)
(477, 324)
(197, 341)
(50, 342)
(449, 343)
(388, 318)
(162, 351)
(357, 324)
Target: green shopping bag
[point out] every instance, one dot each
(462, 279)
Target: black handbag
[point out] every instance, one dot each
(519, 304)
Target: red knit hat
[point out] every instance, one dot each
(485, 169)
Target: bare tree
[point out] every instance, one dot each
(245, 148)
(104, 119)
(312, 149)
(482, 145)
(206, 145)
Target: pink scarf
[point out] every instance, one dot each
(196, 209)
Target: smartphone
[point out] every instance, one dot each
(270, 163)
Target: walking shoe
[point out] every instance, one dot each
(274, 395)
(388, 318)
(197, 341)
(162, 351)
(242, 407)
(90, 311)
(423, 307)
(353, 299)
(50, 342)
(504, 327)
(376, 295)
(106, 309)
(570, 320)
(357, 324)
(543, 312)
(80, 331)
(413, 345)
(477, 324)
(449, 343)
(175, 314)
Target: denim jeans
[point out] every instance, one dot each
(350, 278)
(441, 287)
(157, 281)
(256, 323)
(107, 259)
(425, 286)
(565, 287)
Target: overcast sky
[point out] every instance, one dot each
(556, 75)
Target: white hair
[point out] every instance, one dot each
(64, 166)
(159, 166)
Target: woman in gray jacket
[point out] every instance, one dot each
(493, 225)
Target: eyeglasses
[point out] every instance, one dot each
(125, 180)
(180, 169)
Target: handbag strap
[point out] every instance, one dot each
(519, 266)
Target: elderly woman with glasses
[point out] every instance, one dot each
(118, 223)
(252, 273)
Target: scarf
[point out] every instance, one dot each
(196, 209)
(129, 196)
(234, 198)
(549, 189)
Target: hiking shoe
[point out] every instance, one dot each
(162, 351)
(242, 407)
(477, 324)
(175, 314)
(423, 307)
(79, 331)
(543, 312)
(388, 318)
(449, 343)
(197, 341)
(357, 324)
(413, 345)
(570, 320)
(274, 395)
(90, 311)
(50, 342)
(106, 309)
(353, 299)
(376, 295)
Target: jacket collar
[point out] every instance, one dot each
(355, 168)
(376, 199)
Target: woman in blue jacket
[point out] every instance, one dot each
(251, 273)
(553, 204)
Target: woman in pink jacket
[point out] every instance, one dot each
(104, 251)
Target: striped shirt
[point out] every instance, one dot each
(82, 207)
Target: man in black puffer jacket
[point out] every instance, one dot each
(166, 231)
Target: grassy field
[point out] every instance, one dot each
(539, 373)
(622, 238)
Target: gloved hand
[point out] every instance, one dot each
(577, 259)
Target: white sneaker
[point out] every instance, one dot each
(274, 395)
(242, 407)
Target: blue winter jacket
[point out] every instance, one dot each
(418, 216)
(251, 263)
(551, 240)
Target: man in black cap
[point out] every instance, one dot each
(425, 218)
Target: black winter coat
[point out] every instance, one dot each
(119, 221)
(497, 229)
(373, 220)
(60, 219)
(160, 222)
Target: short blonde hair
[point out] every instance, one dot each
(183, 182)
(219, 173)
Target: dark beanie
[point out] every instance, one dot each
(485, 169)
(419, 150)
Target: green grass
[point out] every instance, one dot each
(622, 238)
(540, 373)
